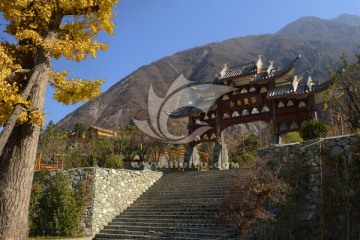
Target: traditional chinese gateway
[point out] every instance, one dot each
(276, 96)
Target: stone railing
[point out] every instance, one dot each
(109, 192)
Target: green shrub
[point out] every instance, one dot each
(242, 160)
(55, 208)
(252, 143)
(37, 222)
(236, 161)
(114, 161)
(292, 137)
(248, 157)
(313, 129)
(63, 207)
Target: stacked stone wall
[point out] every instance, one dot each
(109, 192)
(303, 165)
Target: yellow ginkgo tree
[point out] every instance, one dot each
(44, 30)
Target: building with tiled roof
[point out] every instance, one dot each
(100, 132)
(255, 87)
(255, 92)
(277, 83)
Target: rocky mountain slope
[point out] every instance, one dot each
(319, 42)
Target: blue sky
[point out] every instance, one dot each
(147, 30)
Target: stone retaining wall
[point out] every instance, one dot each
(109, 192)
(303, 162)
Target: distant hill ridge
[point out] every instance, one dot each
(347, 19)
(319, 42)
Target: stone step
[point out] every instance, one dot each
(165, 206)
(162, 220)
(195, 180)
(178, 206)
(177, 238)
(158, 235)
(187, 179)
(197, 215)
(179, 203)
(170, 210)
(134, 236)
(182, 195)
(192, 182)
(189, 189)
(193, 191)
(118, 229)
(166, 223)
(129, 235)
(170, 198)
(199, 176)
(146, 214)
(202, 186)
(161, 216)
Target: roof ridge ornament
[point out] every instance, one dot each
(224, 70)
(271, 67)
(309, 81)
(259, 64)
(295, 82)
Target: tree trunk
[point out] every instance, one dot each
(247, 225)
(245, 229)
(17, 162)
(10, 124)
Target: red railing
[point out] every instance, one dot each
(58, 165)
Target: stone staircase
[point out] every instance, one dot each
(178, 206)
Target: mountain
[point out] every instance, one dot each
(347, 19)
(332, 37)
(319, 42)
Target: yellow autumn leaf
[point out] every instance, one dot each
(65, 28)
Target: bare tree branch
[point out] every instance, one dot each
(58, 86)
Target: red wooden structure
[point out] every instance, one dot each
(58, 165)
(276, 96)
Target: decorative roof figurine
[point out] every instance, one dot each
(259, 64)
(271, 67)
(224, 70)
